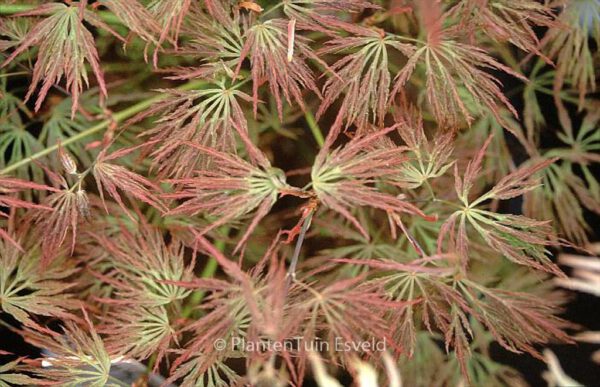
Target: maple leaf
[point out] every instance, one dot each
(10, 185)
(450, 65)
(499, 161)
(209, 117)
(255, 306)
(59, 127)
(141, 261)
(200, 372)
(533, 118)
(453, 68)
(227, 309)
(426, 159)
(571, 45)
(77, 357)
(565, 194)
(65, 44)
(267, 46)
(520, 239)
(347, 311)
(457, 335)
(15, 29)
(507, 20)
(343, 178)
(138, 332)
(68, 205)
(563, 198)
(421, 286)
(362, 75)
(517, 320)
(27, 291)
(170, 15)
(16, 142)
(480, 369)
(216, 38)
(10, 374)
(320, 15)
(112, 178)
(136, 18)
(230, 189)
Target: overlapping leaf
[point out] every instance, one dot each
(344, 178)
(141, 262)
(320, 15)
(456, 73)
(139, 332)
(27, 289)
(288, 76)
(426, 159)
(216, 38)
(230, 189)
(362, 77)
(77, 357)
(512, 20)
(570, 45)
(65, 44)
(565, 193)
(11, 375)
(112, 178)
(209, 117)
(520, 239)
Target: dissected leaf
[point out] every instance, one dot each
(520, 239)
(343, 178)
(141, 261)
(571, 45)
(112, 178)
(266, 45)
(28, 289)
(455, 71)
(512, 20)
(363, 76)
(10, 374)
(210, 117)
(233, 189)
(77, 356)
(65, 44)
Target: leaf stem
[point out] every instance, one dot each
(291, 273)
(564, 96)
(11, 9)
(117, 117)
(314, 128)
(273, 8)
(6, 75)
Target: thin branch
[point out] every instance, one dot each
(291, 274)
